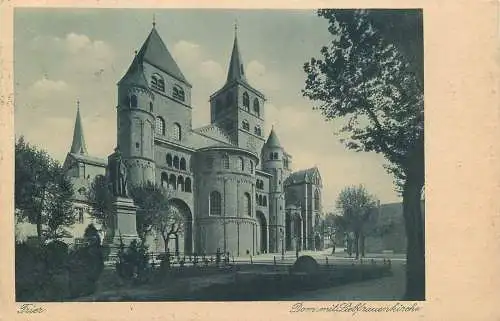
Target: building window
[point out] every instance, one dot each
(164, 179)
(225, 161)
(178, 93)
(137, 145)
(160, 126)
(183, 164)
(241, 164)
(157, 82)
(316, 200)
(79, 212)
(151, 107)
(245, 125)
(133, 101)
(172, 182)
(273, 156)
(256, 106)
(177, 131)
(169, 160)
(247, 205)
(176, 162)
(259, 200)
(215, 203)
(257, 130)
(264, 201)
(180, 183)
(187, 185)
(246, 101)
(251, 167)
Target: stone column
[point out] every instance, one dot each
(122, 225)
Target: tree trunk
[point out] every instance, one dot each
(356, 244)
(415, 234)
(39, 218)
(362, 244)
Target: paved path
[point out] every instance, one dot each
(383, 289)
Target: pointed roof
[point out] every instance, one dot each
(156, 53)
(135, 75)
(272, 140)
(235, 71)
(78, 145)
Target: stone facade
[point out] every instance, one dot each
(228, 181)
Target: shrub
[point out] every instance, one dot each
(133, 261)
(85, 266)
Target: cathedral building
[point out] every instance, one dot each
(233, 184)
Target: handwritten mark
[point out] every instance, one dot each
(30, 308)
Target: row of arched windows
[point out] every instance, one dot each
(158, 83)
(256, 130)
(261, 199)
(259, 184)
(176, 162)
(246, 103)
(178, 183)
(215, 204)
(160, 128)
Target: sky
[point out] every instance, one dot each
(65, 55)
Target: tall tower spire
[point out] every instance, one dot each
(78, 145)
(235, 71)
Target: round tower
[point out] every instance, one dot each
(135, 125)
(272, 163)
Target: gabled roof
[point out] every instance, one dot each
(86, 159)
(155, 52)
(78, 145)
(310, 176)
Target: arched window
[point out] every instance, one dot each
(245, 125)
(264, 201)
(157, 82)
(187, 185)
(183, 164)
(164, 179)
(169, 160)
(177, 131)
(251, 167)
(215, 203)
(247, 204)
(246, 101)
(256, 106)
(225, 161)
(172, 182)
(150, 107)
(160, 126)
(257, 130)
(241, 164)
(133, 101)
(259, 200)
(316, 200)
(176, 162)
(180, 183)
(178, 93)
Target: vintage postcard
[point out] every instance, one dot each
(285, 160)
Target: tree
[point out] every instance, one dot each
(42, 192)
(356, 205)
(334, 225)
(101, 198)
(155, 212)
(367, 78)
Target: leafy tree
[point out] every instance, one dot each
(42, 192)
(155, 212)
(368, 78)
(356, 205)
(101, 198)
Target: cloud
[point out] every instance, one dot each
(186, 52)
(212, 71)
(260, 77)
(45, 86)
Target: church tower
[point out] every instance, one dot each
(237, 107)
(135, 124)
(272, 163)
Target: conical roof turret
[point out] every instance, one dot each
(272, 140)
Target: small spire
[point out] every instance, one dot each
(235, 71)
(135, 52)
(78, 145)
(154, 20)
